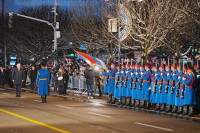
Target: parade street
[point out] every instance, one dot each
(27, 115)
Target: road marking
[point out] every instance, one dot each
(36, 122)
(5, 93)
(64, 107)
(99, 114)
(37, 101)
(166, 129)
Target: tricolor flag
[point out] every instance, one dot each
(92, 61)
(64, 56)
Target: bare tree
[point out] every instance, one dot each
(28, 38)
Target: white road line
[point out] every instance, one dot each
(37, 101)
(64, 107)
(5, 93)
(100, 115)
(166, 129)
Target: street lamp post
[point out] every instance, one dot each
(54, 25)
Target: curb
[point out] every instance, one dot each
(170, 115)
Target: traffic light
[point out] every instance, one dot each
(10, 20)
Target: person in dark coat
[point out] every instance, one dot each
(18, 78)
(10, 83)
(33, 76)
(61, 81)
(66, 79)
(25, 76)
(89, 75)
(43, 80)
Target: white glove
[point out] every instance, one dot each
(141, 73)
(184, 78)
(122, 72)
(149, 88)
(174, 74)
(179, 77)
(136, 73)
(131, 73)
(161, 74)
(156, 74)
(167, 74)
(108, 71)
(127, 72)
(198, 76)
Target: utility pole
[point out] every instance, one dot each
(4, 37)
(54, 25)
(55, 31)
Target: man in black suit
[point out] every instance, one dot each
(33, 76)
(18, 78)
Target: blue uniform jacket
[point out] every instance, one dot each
(43, 80)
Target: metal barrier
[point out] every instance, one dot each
(78, 84)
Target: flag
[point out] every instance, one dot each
(91, 60)
(64, 56)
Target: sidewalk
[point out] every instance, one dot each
(82, 97)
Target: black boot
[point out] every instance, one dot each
(109, 99)
(123, 100)
(132, 103)
(174, 109)
(141, 104)
(120, 102)
(162, 107)
(45, 98)
(180, 110)
(168, 108)
(157, 107)
(137, 102)
(113, 99)
(185, 110)
(146, 104)
(191, 111)
(128, 100)
(42, 99)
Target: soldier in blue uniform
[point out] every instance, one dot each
(43, 80)
(106, 85)
(128, 90)
(134, 84)
(117, 90)
(139, 92)
(146, 84)
(111, 82)
(153, 85)
(124, 84)
(164, 93)
(159, 87)
(188, 94)
(179, 85)
(171, 94)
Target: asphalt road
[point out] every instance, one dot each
(28, 115)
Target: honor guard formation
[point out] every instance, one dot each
(169, 88)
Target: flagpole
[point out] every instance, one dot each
(168, 61)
